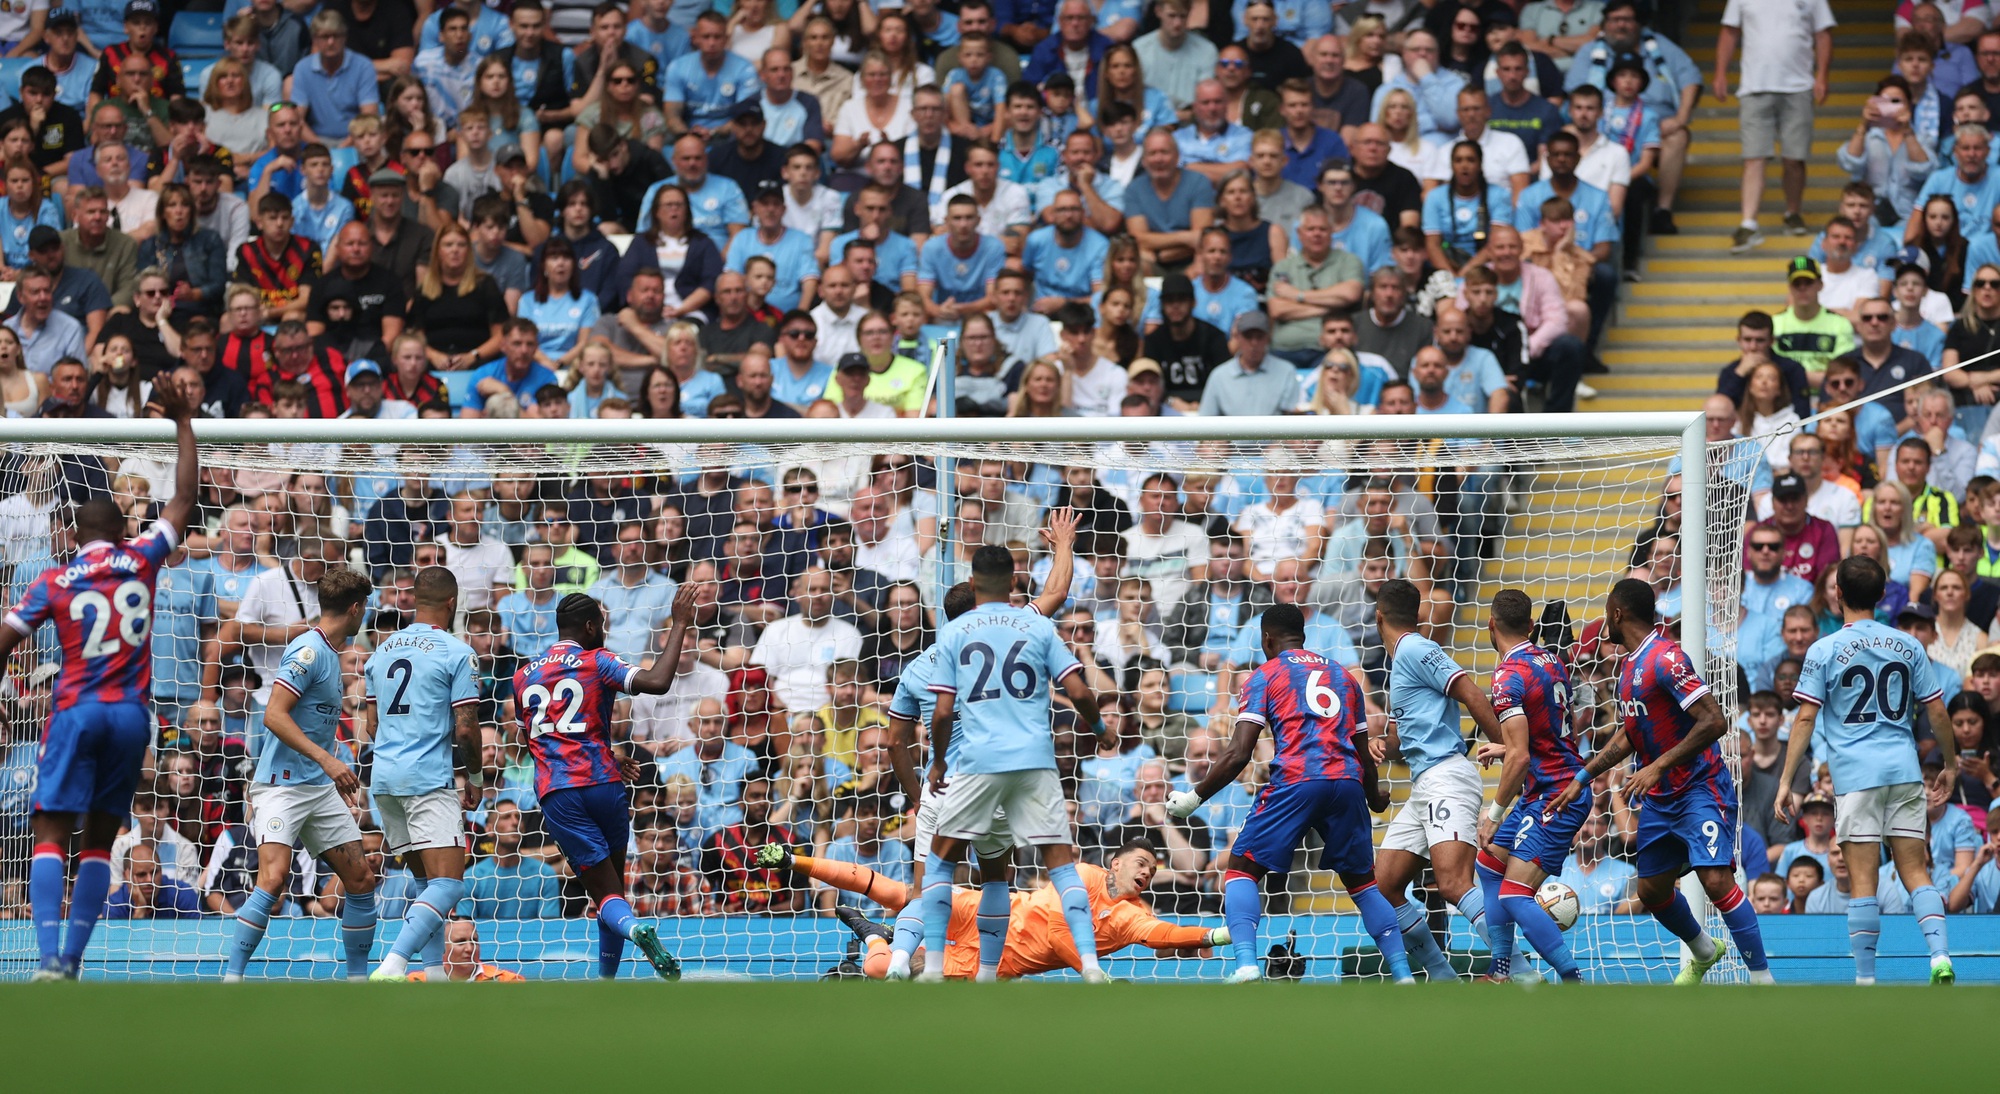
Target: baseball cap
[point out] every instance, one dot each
(746, 108)
(1253, 320)
(62, 18)
(1143, 364)
(1176, 287)
(1816, 798)
(142, 9)
(1801, 268)
(1917, 611)
(1788, 486)
(851, 361)
(768, 188)
(44, 236)
(362, 366)
(387, 177)
(510, 153)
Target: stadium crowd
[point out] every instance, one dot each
(777, 210)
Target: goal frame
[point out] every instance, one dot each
(1688, 426)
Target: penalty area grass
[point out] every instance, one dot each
(875, 1037)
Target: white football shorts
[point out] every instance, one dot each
(420, 821)
(991, 845)
(313, 815)
(1443, 806)
(1874, 814)
(996, 809)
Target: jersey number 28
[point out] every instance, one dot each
(553, 710)
(131, 602)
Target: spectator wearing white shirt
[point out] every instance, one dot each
(1787, 49)
(873, 515)
(280, 604)
(1603, 162)
(1505, 158)
(1285, 525)
(1170, 553)
(663, 724)
(1827, 500)
(1092, 386)
(1004, 210)
(483, 566)
(1844, 284)
(795, 650)
(838, 314)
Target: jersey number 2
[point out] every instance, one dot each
(541, 702)
(401, 670)
(130, 602)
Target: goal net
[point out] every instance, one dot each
(820, 551)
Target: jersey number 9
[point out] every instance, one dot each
(541, 703)
(131, 602)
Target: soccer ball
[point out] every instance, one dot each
(1560, 902)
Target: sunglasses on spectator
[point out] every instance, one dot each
(417, 150)
(801, 332)
(281, 105)
(624, 79)
(1843, 381)
(1875, 317)
(801, 488)
(1231, 62)
(1986, 283)
(1766, 546)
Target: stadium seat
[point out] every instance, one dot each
(192, 72)
(457, 386)
(196, 34)
(1191, 692)
(11, 69)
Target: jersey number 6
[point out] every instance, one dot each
(1321, 699)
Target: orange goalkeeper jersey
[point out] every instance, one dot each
(1038, 938)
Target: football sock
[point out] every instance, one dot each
(1499, 923)
(1864, 931)
(993, 909)
(1748, 934)
(1379, 918)
(1420, 944)
(909, 935)
(875, 965)
(426, 918)
(615, 924)
(433, 954)
(1076, 910)
(45, 896)
(86, 901)
(849, 878)
(1677, 917)
(1927, 904)
(357, 930)
(1539, 927)
(1242, 905)
(1472, 905)
(937, 907)
(251, 921)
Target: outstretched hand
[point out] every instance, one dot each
(169, 400)
(1061, 527)
(683, 609)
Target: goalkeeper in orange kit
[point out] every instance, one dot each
(1038, 939)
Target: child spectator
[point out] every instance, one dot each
(975, 90)
(318, 211)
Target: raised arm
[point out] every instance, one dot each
(1060, 535)
(171, 402)
(656, 679)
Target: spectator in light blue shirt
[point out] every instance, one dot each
(716, 765)
(488, 29)
(509, 885)
(638, 600)
(1435, 89)
(1475, 377)
(530, 614)
(1212, 145)
(890, 858)
(1299, 21)
(1066, 256)
(1219, 296)
(699, 88)
(789, 249)
(955, 269)
(798, 376)
(715, 204)
(448, 68)
(1458, 214)
(1603, 885)
(334, 83)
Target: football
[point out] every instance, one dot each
(1560, 902)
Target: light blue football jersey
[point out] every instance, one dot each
(310, 670)
(1000, 661)
(1871, 683)
(415, 678)
(915, 700)
(1427, 717)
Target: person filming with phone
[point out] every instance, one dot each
(1884, 152)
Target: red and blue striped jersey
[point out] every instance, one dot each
(102, 607)
(1657, 685)
(564, 699)
(1531, 682)
(1313, 709)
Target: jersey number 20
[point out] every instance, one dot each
(130, 602)
(542, 702)
(1875, 692)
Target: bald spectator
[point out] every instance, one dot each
(1167, 210)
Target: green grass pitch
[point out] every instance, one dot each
(1014, 1037)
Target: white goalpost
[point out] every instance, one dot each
(1309, 509)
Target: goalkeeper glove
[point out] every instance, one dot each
(1218, 937)
(1181, 804)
